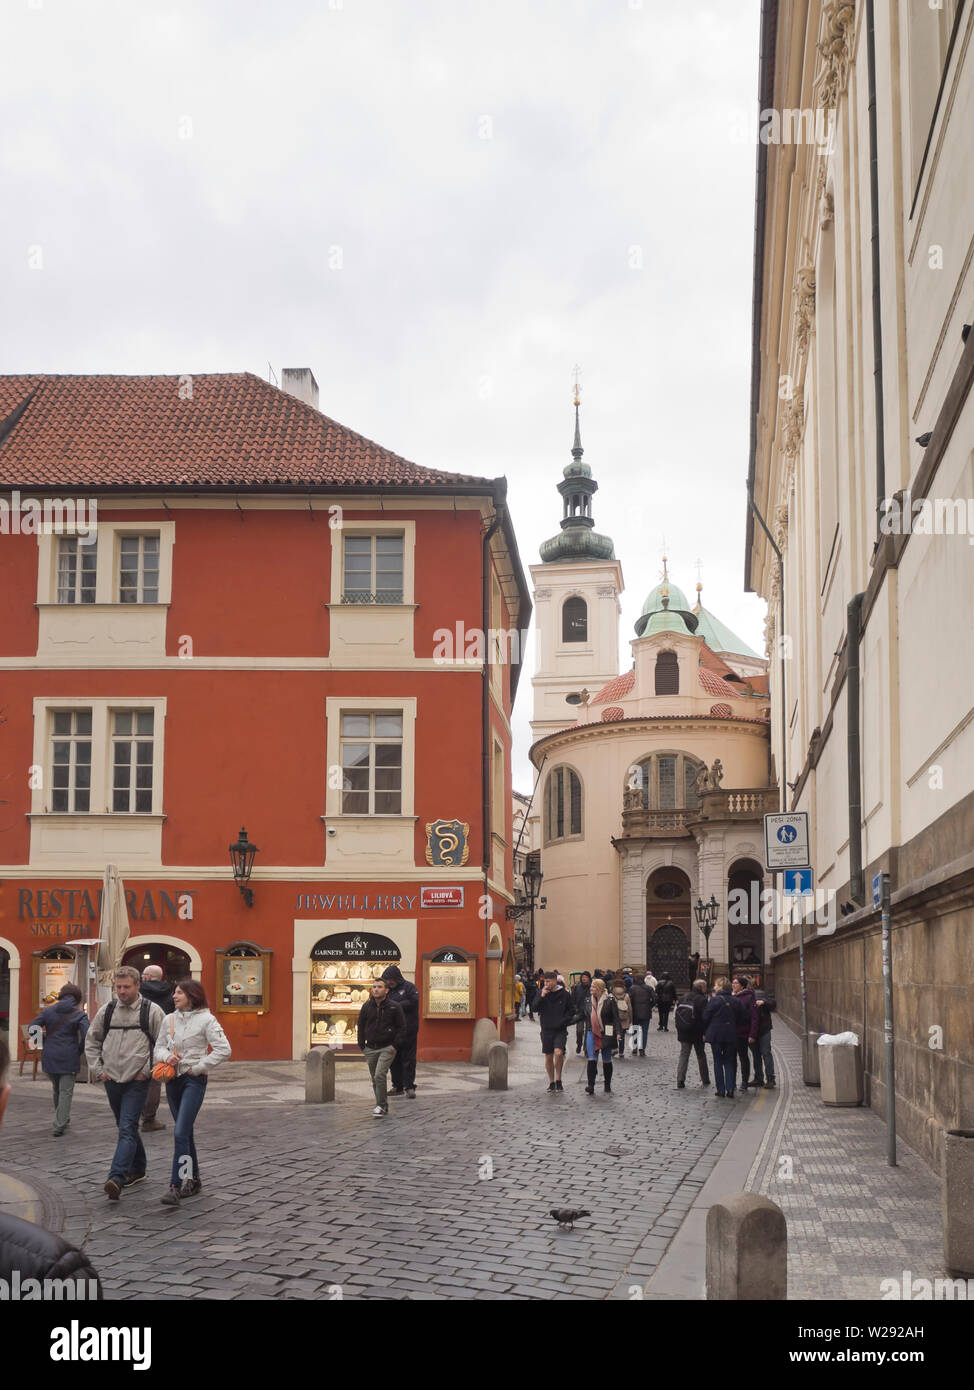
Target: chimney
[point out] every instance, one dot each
(300, 383)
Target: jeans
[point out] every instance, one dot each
(185, 1095)
(763, 1062)
(681, 1070)
(379, 1060)
(63, 1083)
(725, 1066)
(606, 1051)
(643, 1033)
(127, 1099)
(403, 1068)
(744, 1056)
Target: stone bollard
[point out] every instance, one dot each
(484, 1033)
(747, 1249)
(958, 1201)
(840, 1066)
(497, 1067)
(319, 1076)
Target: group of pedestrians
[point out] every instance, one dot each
(604, 1008)
(149, 1033)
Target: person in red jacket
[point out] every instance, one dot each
(747, 1027)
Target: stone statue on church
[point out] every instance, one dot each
(702, 781)
(716, 774)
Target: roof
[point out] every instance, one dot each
(666, 589)
(213, 430)
(620, 686)
(718, 637)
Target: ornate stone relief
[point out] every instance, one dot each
(541, 594)
(835, 47)
(804, 306)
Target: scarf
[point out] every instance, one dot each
(596, 1020)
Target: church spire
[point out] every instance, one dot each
(578, 540)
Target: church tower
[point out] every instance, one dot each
(576, 602)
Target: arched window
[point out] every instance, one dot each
(562, 804)
(574, 620)
(667, 674)
(667, 781)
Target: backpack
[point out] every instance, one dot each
(143, 1023)
(686, 1014)
(625, 1010)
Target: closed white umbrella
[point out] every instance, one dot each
(113, 929)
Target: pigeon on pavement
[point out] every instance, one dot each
(567, 1216)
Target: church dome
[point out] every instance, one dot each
(667, 609)
(666, 588)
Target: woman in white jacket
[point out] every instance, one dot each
(193, 1042)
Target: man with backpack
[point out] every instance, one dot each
(64, 1026)
(665, 999)
(119, 1048)
(689, 1032)
(620, 994)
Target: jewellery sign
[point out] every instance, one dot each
(344, 946)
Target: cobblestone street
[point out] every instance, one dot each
(303, 1201)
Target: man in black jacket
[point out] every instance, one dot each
(580, 993)
(556, 1010)
(157, 988)
(665, 999)
(689, 1033)
(642, 997)
(761, 1047)
(403, 1070)
(381, 1032)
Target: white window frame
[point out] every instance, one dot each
(107, 569)
(141, 535)
(407, 529)
(132, 740)
(72, 739)
(81, 550)
(335, 707)
(102, 712)
(374, 740)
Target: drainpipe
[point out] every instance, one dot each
(485, 715)
(874, 245)
(853, 638)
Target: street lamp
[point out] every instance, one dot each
(242, 858)
(531, 878)
(706, 915)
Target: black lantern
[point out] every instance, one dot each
(242, 858)
(706, 915)
(532, 877)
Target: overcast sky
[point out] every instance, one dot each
(440, 207)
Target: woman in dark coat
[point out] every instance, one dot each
(602, 1028)
(64, 1026)
(720, 1025)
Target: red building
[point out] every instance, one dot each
(257, 626)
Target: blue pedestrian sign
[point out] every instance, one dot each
(877, 889)
(786, 840)
(798, 881)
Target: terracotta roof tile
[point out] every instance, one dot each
(715, 685)
(616, 688)
(233, 429)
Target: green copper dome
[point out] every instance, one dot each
(667, 609)
(666, 587)
(718, 637)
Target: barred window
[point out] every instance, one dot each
(76, 565)
(373, 569)
(371, 749)
(667, 781)
(132, 734)
(667, 674)
(71, 760)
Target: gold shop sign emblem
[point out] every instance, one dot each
(447, 843)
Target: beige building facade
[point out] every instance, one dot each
(862, 470)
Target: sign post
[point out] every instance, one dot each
(786, 847)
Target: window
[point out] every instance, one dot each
(77, 563)
(563, 804)
(667, 674)
(372, 569)
(666, 781)
(132, 751)
(931, 29)
(574, 620)
(71, 760)
(371, 754)
(138, 569)
(500, 805)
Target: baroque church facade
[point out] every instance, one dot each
(653, 780)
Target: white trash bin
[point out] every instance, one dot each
(840, 1066)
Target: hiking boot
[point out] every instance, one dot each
(133, 1178)
(114, 1189)
(190, 1187)
(172, 1197)
(559, 1086)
